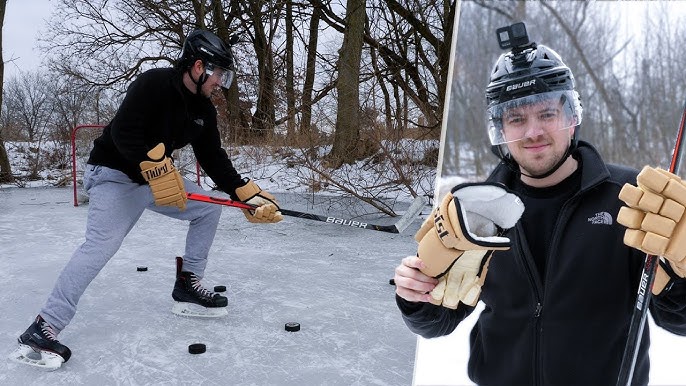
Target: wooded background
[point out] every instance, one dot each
(628, 69)
(310, 72)
(355, 77)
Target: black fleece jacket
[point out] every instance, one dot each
(570, 327)
(159, 108)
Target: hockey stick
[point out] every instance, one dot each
(645, 286)
(398, 227)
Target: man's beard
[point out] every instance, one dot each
(540, 169)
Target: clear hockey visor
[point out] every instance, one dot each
(533, 115)
(225, 76)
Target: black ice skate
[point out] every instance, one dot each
(39, 347)
(192, 299)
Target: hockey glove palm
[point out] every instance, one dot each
(463, 281)
(164, 180)
(654, 216)
(267, 210)
(467, 219)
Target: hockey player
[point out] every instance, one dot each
(130, 169)
(559, 286)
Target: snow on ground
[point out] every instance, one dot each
(333, 280)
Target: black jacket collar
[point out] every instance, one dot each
(593, 169)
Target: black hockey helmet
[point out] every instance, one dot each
(528, 73)
(538, 65)
(214, 53)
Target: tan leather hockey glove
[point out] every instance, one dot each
(458, 238)
(267, 210)
(164, 180)
(654, 216)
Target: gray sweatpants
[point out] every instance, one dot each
(115, 205)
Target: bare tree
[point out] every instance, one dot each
(308, 85)
(629, 95)
(410, 38)
(347, 131)
(5, 168)
(27, 97)
(290, 72)
(108, 43)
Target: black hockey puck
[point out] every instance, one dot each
(197, 348)
(391, 282)
(219, 288)
(292, 326)
(141, 269)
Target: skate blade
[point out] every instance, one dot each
(198, 311)
(45, 360)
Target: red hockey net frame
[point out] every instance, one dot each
(74, 170)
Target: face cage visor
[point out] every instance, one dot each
(225, 76)
(533, 115)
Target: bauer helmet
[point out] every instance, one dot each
(215, 54)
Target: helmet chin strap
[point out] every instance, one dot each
(553, 169)
(198, 84)
(514, 166)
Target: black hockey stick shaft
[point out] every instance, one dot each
(645, 286)
(292, 213)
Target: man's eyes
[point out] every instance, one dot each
(518, 119)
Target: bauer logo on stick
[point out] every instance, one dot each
(351, 223)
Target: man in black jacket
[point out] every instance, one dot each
(560, 290)
(130, 170)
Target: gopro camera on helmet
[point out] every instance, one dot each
(513, 36)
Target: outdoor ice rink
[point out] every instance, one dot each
(333, 280)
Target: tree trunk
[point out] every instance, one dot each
(306, 117)
(265, 114)
(386, 96)
(233, 112)
(5, 168)
(290, 83)
(347, 132)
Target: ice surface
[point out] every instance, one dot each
(331, 279)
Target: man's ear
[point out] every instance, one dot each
(198, 66)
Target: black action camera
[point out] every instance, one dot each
(513, 36)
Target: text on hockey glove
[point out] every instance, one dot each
(164, 180)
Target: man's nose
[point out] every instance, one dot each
(534, 128)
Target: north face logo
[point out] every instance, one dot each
(601, 218)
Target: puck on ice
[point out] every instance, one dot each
(391, 282)
(292, 326)
(219, 288)
(197, 348)
(142, 269)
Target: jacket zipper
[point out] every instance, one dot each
(562, 218)
(538, 309)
